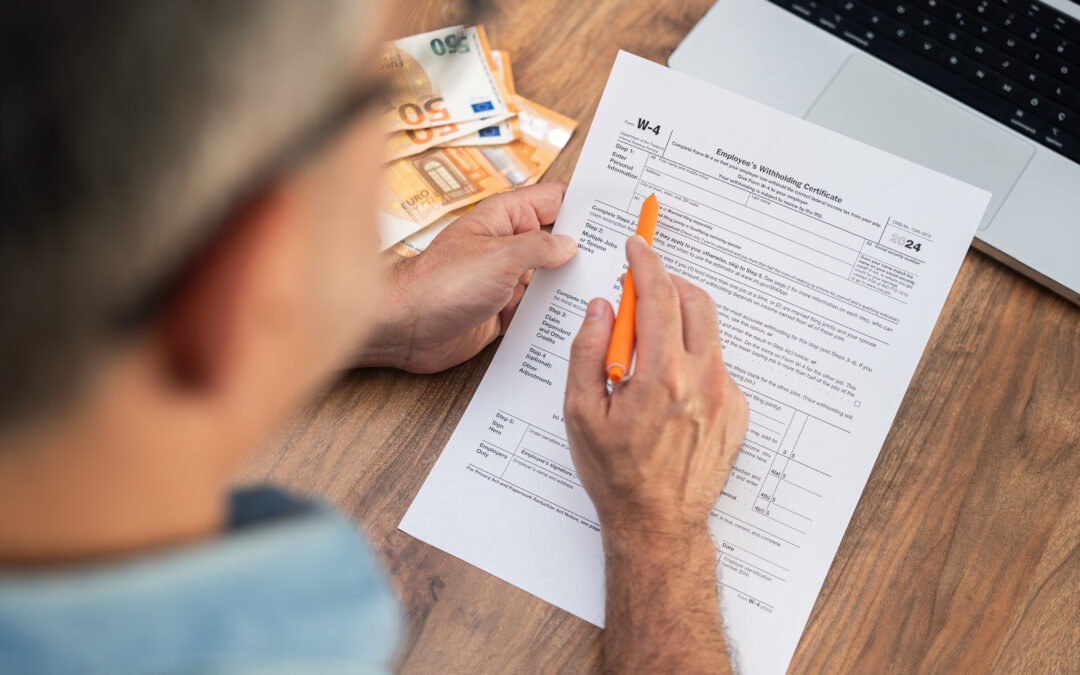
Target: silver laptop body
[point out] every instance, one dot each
(767, 53)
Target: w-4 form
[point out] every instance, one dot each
(828, 261)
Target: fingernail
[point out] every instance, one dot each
(568, 243)
(594, 310)
(639, 239)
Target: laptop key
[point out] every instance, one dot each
(1041, 83)
(1011, 91)
(1069, 96)
(901, 34)
(1017, 24)
(830, 19)
(875, 20)
(1007, 65)
(1004, 40)
(1028, 124)
(959, 40)
(980, 74)
(1016, 47)
(1055, 114)
(985, 54)
(1031, 77)
(1058, 68)
(1041, 37)
(1037, 104)
(1068, 51)
(1064, 142)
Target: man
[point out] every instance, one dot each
(188, 254)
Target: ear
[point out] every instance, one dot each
(206, 333)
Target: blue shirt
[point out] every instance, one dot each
(289, 588)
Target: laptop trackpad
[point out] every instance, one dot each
(877, 106)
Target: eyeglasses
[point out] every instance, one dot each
(305, 144)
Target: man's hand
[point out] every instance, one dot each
(653, 456)
(452, 300)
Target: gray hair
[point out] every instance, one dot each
(125, 127)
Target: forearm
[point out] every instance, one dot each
(663, 610)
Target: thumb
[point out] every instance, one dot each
(586, 382)
(532, 250)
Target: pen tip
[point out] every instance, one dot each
(615, 374)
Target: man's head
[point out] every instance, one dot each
(143, 144)
(187, 249)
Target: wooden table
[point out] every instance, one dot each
(964, 552)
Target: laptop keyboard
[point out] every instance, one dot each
(1015, 61)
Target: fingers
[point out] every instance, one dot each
(586, 382)
(517, 211)
(536, 249)
(506, 314)
(513, 220)
(658, 322)
(701, 329)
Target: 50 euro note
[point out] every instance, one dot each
(485, 131)
(495, 134)
(443, 77)
(544, 133)
(416, 191)
(506, 130)
(414, 141)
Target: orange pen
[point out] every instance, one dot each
(621, 349)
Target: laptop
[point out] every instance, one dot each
(986, 91)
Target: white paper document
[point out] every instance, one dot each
(829, 262)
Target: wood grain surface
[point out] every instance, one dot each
(964, 552)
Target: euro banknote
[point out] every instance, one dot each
(494, 134)
(414, 141)
(416, 191)
(544, 133)
(506, 130)
(447, 76)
